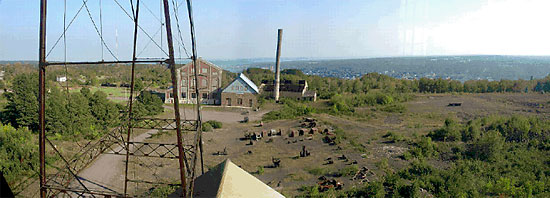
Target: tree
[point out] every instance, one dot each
(105, 111)
(85, 92)
(57, 117)
(22, 107)
(138, 85)
(147, 104)
(18, 155)
(81, 119)
(449, 132)
(487, 147)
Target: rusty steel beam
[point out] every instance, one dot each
(172, 64)
(85, 192)
(136, 17)
(163, 124)
(42, 96)
(198, 137)
(103, 62)
(148, 149)
(88, 154)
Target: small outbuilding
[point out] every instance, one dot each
(241, 92)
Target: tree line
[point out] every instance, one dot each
(68, 116)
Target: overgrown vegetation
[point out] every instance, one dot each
(18, 153)
(162, 190)
(290, 109)
(215, 124)
(206, 127)
(496, 156)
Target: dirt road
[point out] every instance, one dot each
(106, 173)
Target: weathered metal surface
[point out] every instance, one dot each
(163, 124)
(172, 64)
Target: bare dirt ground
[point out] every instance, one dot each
(107, 172)
(363, 142)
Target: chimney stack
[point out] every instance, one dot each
(278, 66)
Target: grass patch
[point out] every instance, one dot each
(394, 137)
(348, 170)
(357, 146)
(394, 108)
(160, 133)
(318, 171)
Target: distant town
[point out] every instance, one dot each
(462, 68)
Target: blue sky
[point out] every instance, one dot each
(312, 28)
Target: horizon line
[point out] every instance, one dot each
(336, 58)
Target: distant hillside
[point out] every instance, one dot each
(455, 67)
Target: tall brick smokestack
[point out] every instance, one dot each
(278, 66)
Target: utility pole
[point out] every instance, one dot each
(278, 66)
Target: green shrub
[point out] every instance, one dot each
(206, 127)
(394, 137)
(487, 147)
(291, 109)
(394, 108)
(374, 189)
(162, 191)
(423, 148)
(348, 170)
(18, 154)
(318, 171)
(260, 170)
(451, 131)
(215, 124)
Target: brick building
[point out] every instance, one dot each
(210, 82)
(242, 92)
(288, 89)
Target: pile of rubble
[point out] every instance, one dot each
(326, 184)
(362, 174)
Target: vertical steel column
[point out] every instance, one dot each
(172, 64)
(198, 137)
(130, 114)
(42, 96)
(278, 66)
